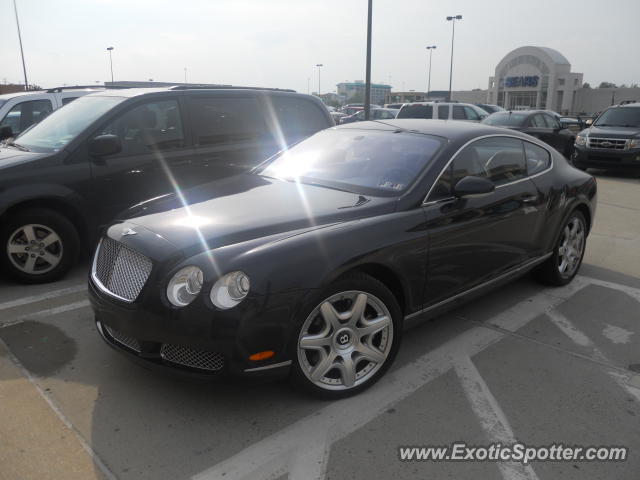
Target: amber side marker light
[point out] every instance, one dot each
(262, 355)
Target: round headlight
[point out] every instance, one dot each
(230, 290)
(185, 286)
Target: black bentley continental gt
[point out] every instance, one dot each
(311, 264)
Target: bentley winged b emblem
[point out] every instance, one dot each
(128, 231)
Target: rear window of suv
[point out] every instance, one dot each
(296, 118)
(416, 111)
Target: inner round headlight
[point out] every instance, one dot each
(185, 286)
(230, 290)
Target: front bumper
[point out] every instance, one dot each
(195, 340)
(603, 158)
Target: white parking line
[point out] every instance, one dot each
(301, 450)
(47, 313)
(581, 339)
(492, 418)
(44, 296)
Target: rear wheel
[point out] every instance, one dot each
(349, 339)
(567, 256)
(38, 245)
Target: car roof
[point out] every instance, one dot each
(8, 96)
(139, 91)
(452, 129)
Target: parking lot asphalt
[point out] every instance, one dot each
(525, 363)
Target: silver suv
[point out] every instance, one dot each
(442, 111)
(20, 110)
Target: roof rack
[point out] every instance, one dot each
(227, 87)
(76, 87)
(627, 102)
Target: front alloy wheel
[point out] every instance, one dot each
(349, 339)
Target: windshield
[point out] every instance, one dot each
(619, 117)
(505, 119)
(58, 129)
(369, 162)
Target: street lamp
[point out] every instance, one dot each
(431, 49)
(110, 49)
(367, 87)
(24, 68)
(319, 65)
(453, 36)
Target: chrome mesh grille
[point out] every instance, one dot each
(192, 358)
(120, 271)
(608, 143)
(125, 340)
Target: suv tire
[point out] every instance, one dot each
(38, 245)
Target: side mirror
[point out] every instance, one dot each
(6, 132)
(104, 145)
(471, 186)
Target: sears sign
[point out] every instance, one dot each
(513, 82)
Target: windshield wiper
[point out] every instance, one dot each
(18, 146)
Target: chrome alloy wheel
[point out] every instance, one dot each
(571, 247)
(345, 340)
(34, 249)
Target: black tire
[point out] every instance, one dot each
(350, 282)
(65, 249)
(549, 272)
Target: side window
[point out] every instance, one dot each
(360, 115)
(443, 112)
(25, 114)
(537, 121)
(471, 114)
(224, 120)
(552, 122)
(458, 113)
(68, 100)
(500, 159)
(538, 159)
(148, 127)
(297, 118)
(443, 186)
(416, 111)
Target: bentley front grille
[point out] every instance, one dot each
(120, 271)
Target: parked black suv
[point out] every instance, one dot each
(72, 173)
(612, 141)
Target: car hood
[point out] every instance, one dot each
(246, 207)
(10, 156)
(613, 132)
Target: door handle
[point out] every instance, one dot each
(531, 199)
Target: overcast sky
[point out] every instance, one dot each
(276, 43)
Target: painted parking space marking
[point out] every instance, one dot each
(491, 417)
(301, 450)
(47, 313)
(41, 297)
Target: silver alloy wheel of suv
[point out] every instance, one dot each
(34, 249)
(345, 340)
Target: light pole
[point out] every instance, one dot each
(185, 74)
(367, 87)
(431, 49)
(24, 68)
(453, 36)
(319, 65)
(110, 49)
(308, 86)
